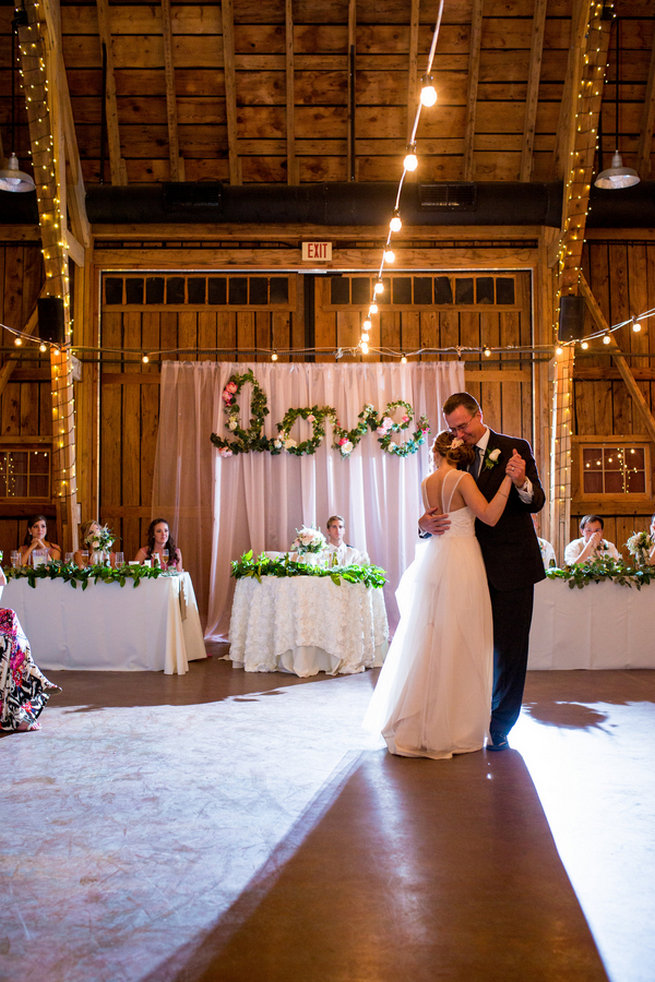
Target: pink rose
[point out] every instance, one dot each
(405, 419)
(231, 387)
(311, 418)
(227, 398)
(342, 441)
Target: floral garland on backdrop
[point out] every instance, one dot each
(384, 425)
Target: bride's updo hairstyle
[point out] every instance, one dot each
(460, 456)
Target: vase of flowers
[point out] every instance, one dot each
(309, 543)
(639, 545)
(99, 541)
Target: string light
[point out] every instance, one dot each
(410, 162)
(636, 326)
(274, 356)
(428, 91)
(396, 223)
(145, 359)
(389, 256)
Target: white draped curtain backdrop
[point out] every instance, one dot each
(221, 507)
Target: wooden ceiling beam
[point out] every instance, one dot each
(412, 79)
(292, 160)
(647, 123)
(532, 95)
(472, 94)
(117, 167)
(351, 148)
(227, 14)
(586, 83)
(176, 162)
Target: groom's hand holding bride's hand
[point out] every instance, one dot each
(516, 469)
(434, 522)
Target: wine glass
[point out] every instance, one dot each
(164, 556)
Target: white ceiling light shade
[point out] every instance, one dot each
(617, 176)
(14, 179)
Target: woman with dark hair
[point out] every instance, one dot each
(160, 541)
(434, 692)
(24, 689)
(35, 538)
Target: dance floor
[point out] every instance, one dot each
(227, 826)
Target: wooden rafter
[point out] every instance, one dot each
(586, 94)
(292, 160)
(647, 123)
(117, 166)
(176, 164)
(352, 49)
(532, 95)
(472, 94)
(227, 13)
(412, 81)
(619, 359)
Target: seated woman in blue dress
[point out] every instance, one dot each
(24, 689)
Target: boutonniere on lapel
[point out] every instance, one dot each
(491, 458)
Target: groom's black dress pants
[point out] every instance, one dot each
(512, 613)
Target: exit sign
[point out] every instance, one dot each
(317, 251)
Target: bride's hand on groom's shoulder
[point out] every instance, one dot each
(434, 522)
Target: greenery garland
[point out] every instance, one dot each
(70, 573)
(580, 575)
(244, 440)
(345, 441)
(248, 565)
(316, 416)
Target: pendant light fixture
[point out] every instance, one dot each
(12, 178)
(617, 176)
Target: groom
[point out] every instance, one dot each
(510, 551)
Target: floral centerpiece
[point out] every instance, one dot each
(308, 541)
(639, 545)
(99, 541)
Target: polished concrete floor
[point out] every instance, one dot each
(226, 826)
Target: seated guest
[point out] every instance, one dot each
(160, 540)
(35, 538)
(591, 545)
(24, 689)
(547, 552)
(82, 556)
(345, 555)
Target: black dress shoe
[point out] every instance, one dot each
(498, 741)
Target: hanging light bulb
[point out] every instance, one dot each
(428, 91)
(487, 352)
(378, 288)
(636, 326)
(559, 350)
(389, 256)
(274, 356)
(366, 326)
(43, 347)
(403, 360)
(410, 162)
(14, 179)
(18, 342)
(584, 345)
(617, 176)
(365, 336)
(363, 347)
(373, 309)
(606, 339)
(395, 224)
(145, 359)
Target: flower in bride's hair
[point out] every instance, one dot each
(456, 443)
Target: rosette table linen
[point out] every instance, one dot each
(307, 624)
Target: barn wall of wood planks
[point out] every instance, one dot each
(186, 312)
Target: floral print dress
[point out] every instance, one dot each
(24, 689)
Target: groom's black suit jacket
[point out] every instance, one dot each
(510, 549)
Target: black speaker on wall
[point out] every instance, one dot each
(571, 318)
(51, 319)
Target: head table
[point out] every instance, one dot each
(601, 626)
(306, 625)
(153, 627)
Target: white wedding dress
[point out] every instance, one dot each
(433, 697)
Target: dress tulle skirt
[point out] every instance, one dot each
(433, 697)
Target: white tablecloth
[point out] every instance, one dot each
(603, 625)
(306, 625)
(153, 627)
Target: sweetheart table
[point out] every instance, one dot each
(153, 627)
(307, 624)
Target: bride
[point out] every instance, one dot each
(433, 697)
